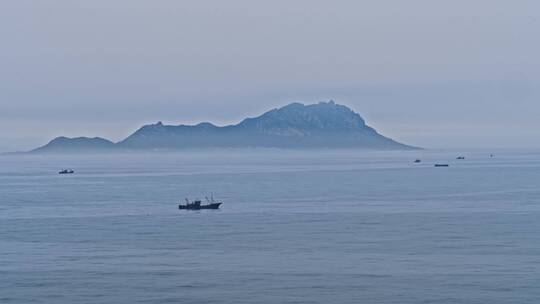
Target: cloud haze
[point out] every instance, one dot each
(429, 73)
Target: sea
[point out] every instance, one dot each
(296, 226)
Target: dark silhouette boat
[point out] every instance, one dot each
(442, 165)
(197, 205)
(460, 157)
(417, 161)
(66, 171)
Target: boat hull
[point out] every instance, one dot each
(200, 207)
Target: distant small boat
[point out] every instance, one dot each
(442, 165)
(65, 171)
(417, 161)
(196, 205)
(460, 157)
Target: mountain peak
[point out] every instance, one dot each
(297, 117)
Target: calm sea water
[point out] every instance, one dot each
(295, 227)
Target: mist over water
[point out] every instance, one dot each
(295, 227)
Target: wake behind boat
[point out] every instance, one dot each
(197, 205)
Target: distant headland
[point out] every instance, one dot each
(321, 125)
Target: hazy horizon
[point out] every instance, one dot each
(306, 204)
(437, 75)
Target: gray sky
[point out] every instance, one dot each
(440, 74)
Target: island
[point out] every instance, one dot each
(321, 125)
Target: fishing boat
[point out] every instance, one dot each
(66, 171)
(197, 204)
(417, 161)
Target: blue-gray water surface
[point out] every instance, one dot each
(295, 227)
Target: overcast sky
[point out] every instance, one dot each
(437, 74)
